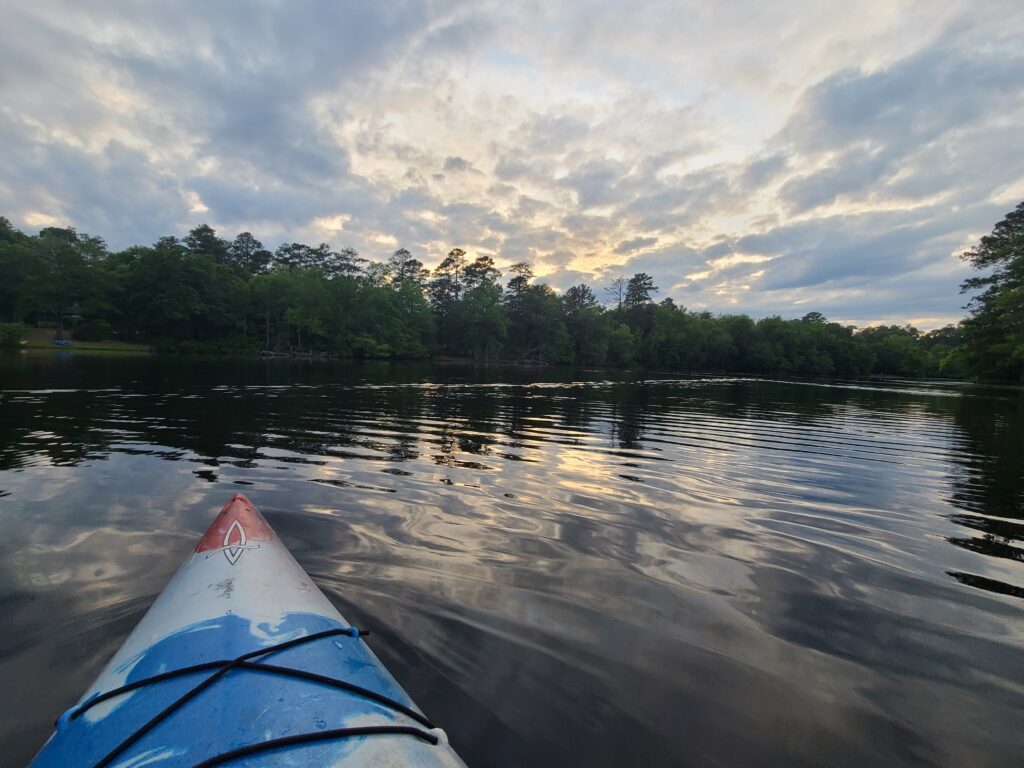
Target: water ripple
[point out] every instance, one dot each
(707, 570)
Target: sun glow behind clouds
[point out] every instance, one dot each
(750, 156)
(40, 220)
(332, 224)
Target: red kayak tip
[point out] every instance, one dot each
(238, 527)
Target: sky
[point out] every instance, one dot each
(766, 158)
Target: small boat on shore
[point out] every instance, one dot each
(243, 661)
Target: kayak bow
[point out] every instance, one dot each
(242, 660)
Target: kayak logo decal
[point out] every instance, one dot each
(235, 543)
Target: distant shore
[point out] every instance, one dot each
(42, 338)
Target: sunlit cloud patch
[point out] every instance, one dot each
(751, 157)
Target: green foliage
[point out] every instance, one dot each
(94, 330)
(481, 272)
(170, 292)
(403, 268)
(233, 346)
(60, 276)
(480, 322)
(539, 334)
(248, 254)
(204, 241)
(15, 266)
(621, 346)
(206, 295)
(639, 289)
(994, 333)
(11, 335)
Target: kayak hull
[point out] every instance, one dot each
(239, 591)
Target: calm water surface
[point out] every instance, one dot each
(562, 569)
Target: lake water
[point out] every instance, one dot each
(562, 568)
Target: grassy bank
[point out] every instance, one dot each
(42, 338)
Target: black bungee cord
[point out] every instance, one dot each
(242, 662)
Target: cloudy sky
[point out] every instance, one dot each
(757, 157)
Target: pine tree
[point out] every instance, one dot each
(994, 333)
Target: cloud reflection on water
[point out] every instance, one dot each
(776, 584)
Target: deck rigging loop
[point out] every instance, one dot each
(222, 667)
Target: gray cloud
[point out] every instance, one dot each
(668, 266)
(877, 125)
(852, 172)
(916, 100)
(135, 194)
(763, 170)
(597, 182)
(612, 143)
(455, 164)
(563, 278)
(512, 166)
(634, 244)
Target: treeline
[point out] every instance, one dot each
(202, 293)
(993, 334)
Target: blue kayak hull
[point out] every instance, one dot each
(239, 592)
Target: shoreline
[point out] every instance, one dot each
(146, 350)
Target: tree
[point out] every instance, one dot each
(480, 320)
(446, 286)
(662, 348)
(577, 299)
(267, 301)
(15, 266)
(620, 346)
(169, 243)
(292, 255)
(453, 266)
(182, 292)
(639, 290)
(169, 292)
(943, 348)
(405, 268)
(344, 263)
(637, 306)
(203, 240)
(994, 332)
(377, 274)
(481, 272)
(8, 234)
(586, 327)
(897, 350)
(616, 291)
(310, 308)
(518, 286)
(62, 274)
(248, 254)
(417, 321)
(537, 329)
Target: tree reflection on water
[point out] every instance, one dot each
(562, 568)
